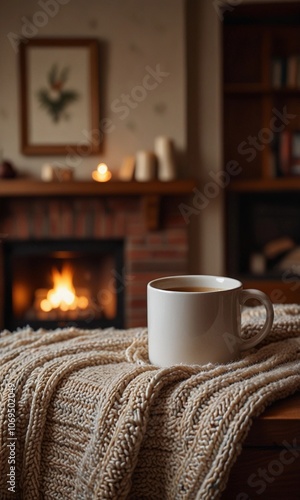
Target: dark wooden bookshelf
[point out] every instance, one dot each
(262, 203)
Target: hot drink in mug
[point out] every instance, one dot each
(196, 319)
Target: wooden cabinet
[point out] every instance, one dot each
(268, 467)
(261, 132)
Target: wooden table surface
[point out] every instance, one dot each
(269, 465)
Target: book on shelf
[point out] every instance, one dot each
(276, 77)
(286, 153)
(291, 71)
(285, 71)
(295, 154)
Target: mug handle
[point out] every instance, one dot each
(265, 301)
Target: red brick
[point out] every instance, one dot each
(137, 303)
(119, 224)
(135, 229)
(108, 231)
(175, 220)
(146, 276)
(21, 220)
(137, 322)
(98, 219)
(136, 289)
(177, 236)
(156, 238)
(67, 219)
(132, 240)
(83, 223)
(166, 267)
(156, 255)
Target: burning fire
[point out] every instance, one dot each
(63, 294)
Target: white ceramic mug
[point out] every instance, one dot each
(199, 327)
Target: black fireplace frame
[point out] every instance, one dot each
(13, 247)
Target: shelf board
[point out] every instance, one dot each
(245, 88)
(36, 188)
(258, 88)
(260, 185)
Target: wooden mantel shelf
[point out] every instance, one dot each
(24, 187)
(151, 191)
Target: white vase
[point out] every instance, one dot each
(145, 166)
(164, 150)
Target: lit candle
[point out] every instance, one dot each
(102, 174)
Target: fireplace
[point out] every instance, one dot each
(52, 283)
(139, 222)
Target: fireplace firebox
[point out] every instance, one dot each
(59, 283)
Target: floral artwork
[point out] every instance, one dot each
(60, 94)
(56, 98)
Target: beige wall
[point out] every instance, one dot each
(204, 134)
(133, 34)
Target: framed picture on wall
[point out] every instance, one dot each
(59, 84)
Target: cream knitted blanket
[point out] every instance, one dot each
(84, 415)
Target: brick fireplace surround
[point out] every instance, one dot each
(72, 210)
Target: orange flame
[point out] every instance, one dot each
(63, 294)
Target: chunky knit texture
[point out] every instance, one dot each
(94, 420)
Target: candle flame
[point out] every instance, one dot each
(102, 168)
(102, 174)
